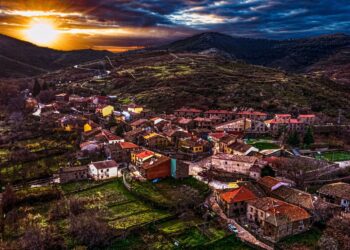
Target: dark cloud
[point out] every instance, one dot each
(255, 18)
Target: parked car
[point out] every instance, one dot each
(232, 228)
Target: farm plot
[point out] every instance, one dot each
(335, 156)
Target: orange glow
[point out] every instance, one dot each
(41, 32)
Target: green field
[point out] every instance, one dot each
(334, 156)
(263, 144)
(308, 240)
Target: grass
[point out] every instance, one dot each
(335, 156)
(265, 145)
(192, 238)
(227, 243)
(307, 239)
(177, 226)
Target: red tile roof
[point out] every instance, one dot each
(307, 116)
(283, 115)
(128, 145)
(189, 110)
(252, 113)
(268, 181)
(218, 135)
(238, 195)
(220, 111)
(145, 154)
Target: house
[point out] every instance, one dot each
(139, 157)
(156, 167)
(239, 148)
(185, 123)
(202, 122)
(72, 123)
(233, 201)
(108, 137)
(105, 110)
(140, 123)
(225, 141)
(193, 145)
(134, 135)
(121, 151)
(254, 115)
(175, 135)
(277, 219)
(179, 169)
(269, 183)
(70, 174)
(239, 164)
(285, 122)
(336, 193)
(223, 115)
(243, 125)
(102, 170)
(155, 140)
(188, 112)
(308, 119)
(90, 125)
(135, 108)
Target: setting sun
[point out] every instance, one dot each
(42, 32)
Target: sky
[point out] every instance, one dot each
(119, 25)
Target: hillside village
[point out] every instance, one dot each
(263, 177)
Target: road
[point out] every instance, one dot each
(243, 234)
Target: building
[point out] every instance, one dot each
(243, 125)
(336, 193)
(102, 170)
(277, 219)
(254, 115)
(233, 201)
(269, 183)
(239, 164)
(135, 108)
(140, 123)
(192, 145)
(308, 119)
(105, 110)
(108, 137)
(188, 112)
(156, 167)
(224, 115)
(179, 169)
(121, 151)
(202, 122)
(154, 140)
(63, 97)
(239, 148)
(70, 174)
(284, 122)
(139, 157)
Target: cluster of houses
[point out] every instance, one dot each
(115, 138)
(274, 209)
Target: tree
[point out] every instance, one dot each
(36, 88)
(293, 139)
(45, 86)
(88, 229)
(36, 238)
(308, 137)
(338, 228)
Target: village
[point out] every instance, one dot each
(265, 178)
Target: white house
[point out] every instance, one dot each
(102, 170)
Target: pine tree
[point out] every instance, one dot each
(309, 137)
(293, 139)
(36, 88)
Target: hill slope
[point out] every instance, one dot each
(20, 59)
(166, 81)
(297, 55)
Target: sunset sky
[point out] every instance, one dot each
(121, 25)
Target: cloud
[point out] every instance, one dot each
(153, 21)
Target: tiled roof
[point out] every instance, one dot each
(280, 212)
(283, 115)
(139, 122)
(238, 195)
(218, 135)
(110, 136)
(257, 113)
(294, 196)
(202, 119)
(183, 120)
(128, 145)
(240, 147)
(189, 110)
(154, 162)
(212, 111)
(238, 158)
(307, 116)
(104, 164)
(339, 189)
(268, 181)
(144, 154)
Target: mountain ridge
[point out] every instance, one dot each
(23, 59)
